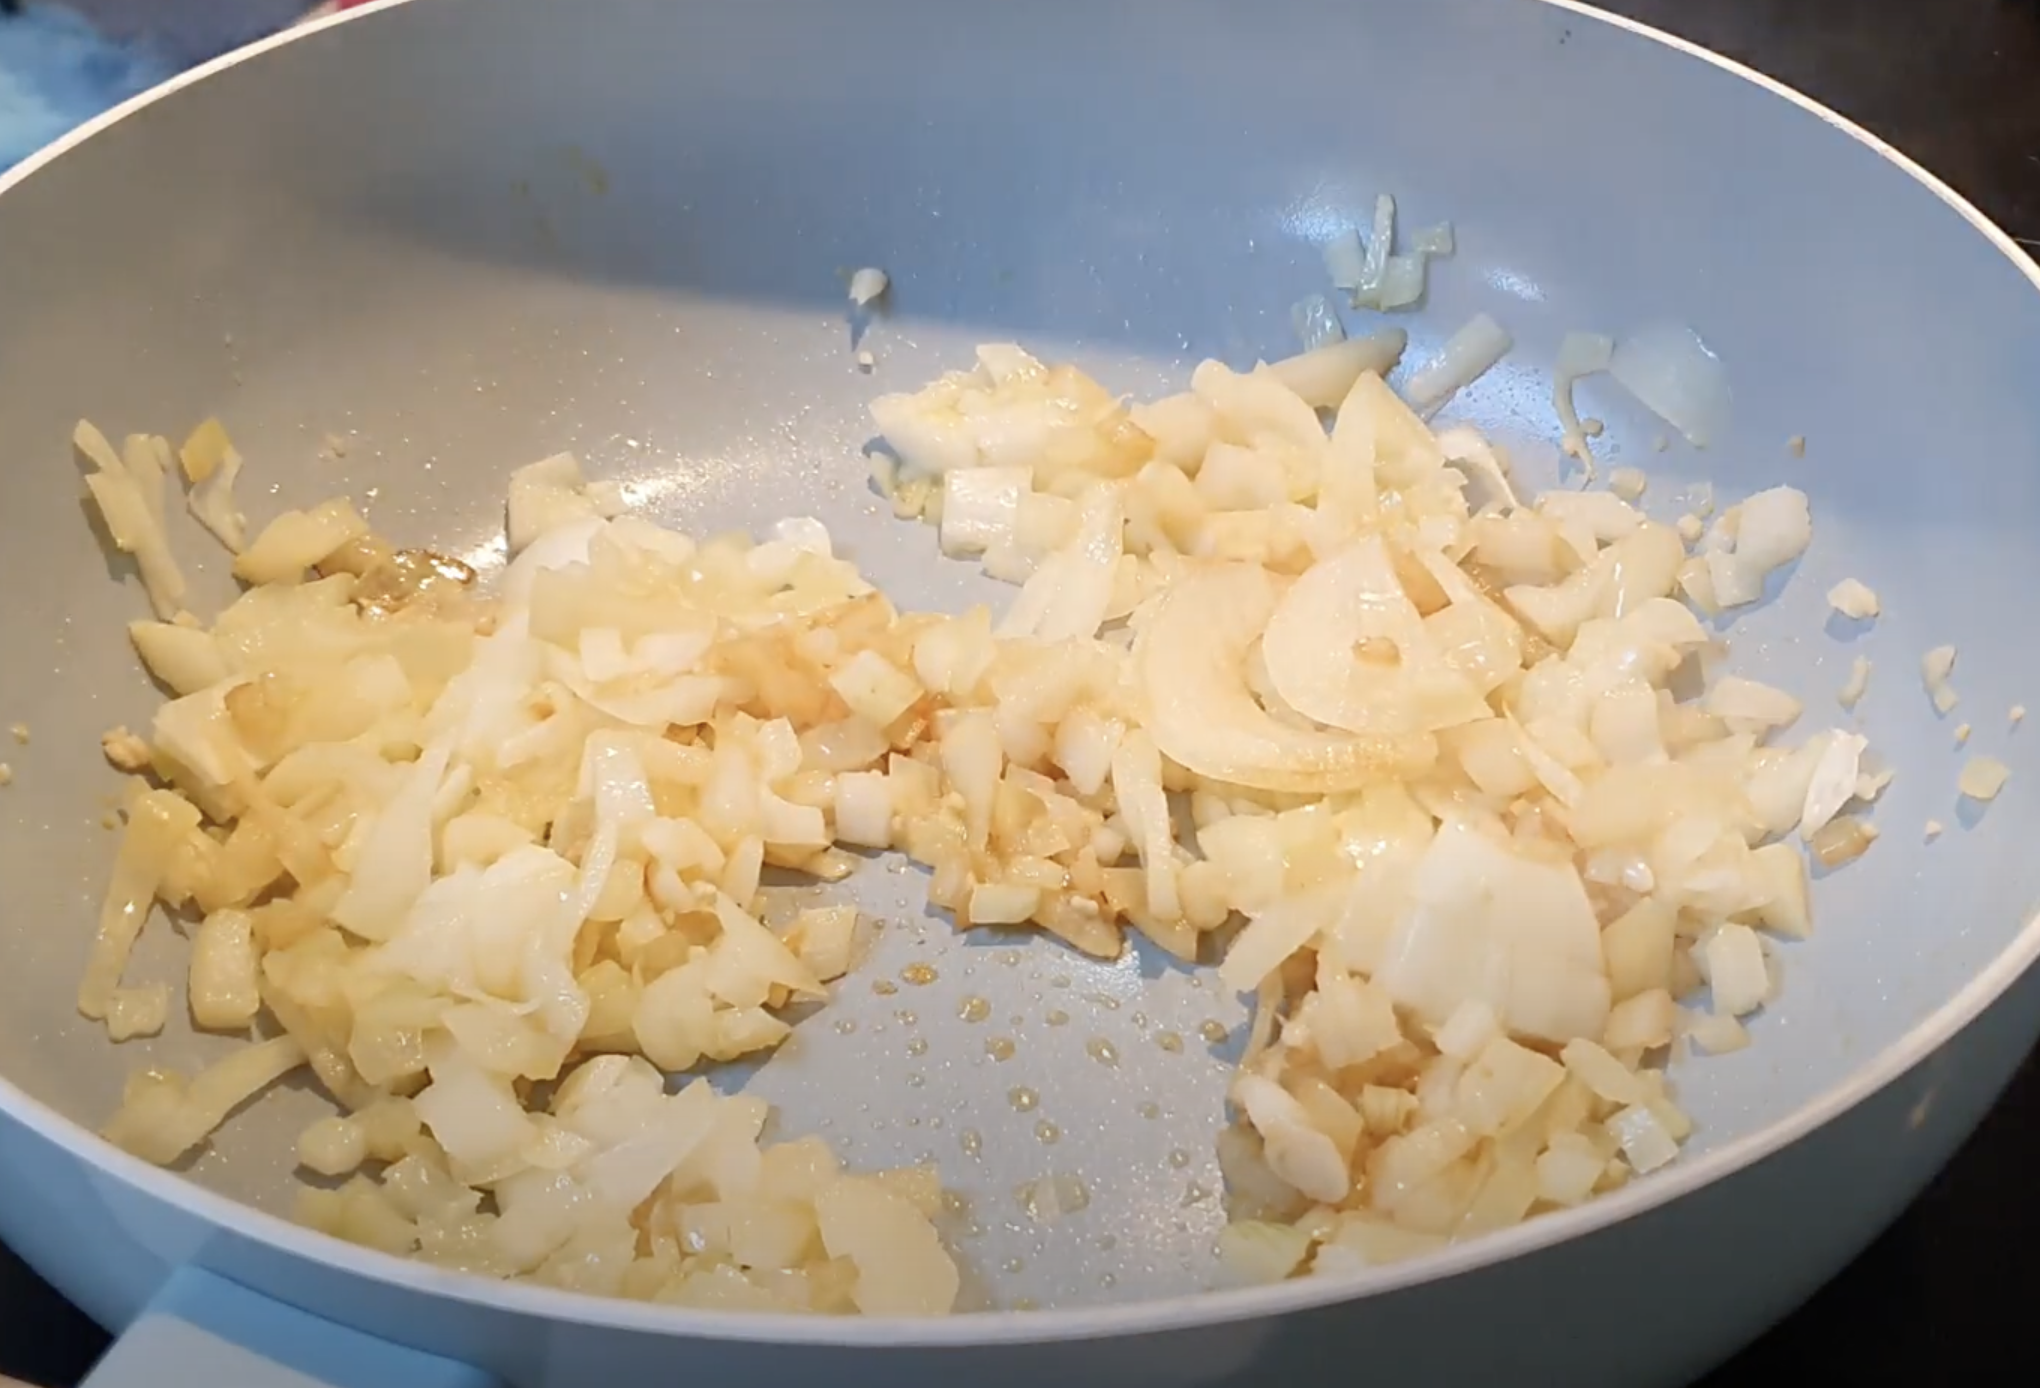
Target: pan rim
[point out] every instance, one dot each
(1204, 1309)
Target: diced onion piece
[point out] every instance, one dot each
(1465, 358)
(1003, 903)
(1254, 1252)
(1346, 260)
(225, 984)
(204, 451)
(1736, 970)
(297, 540)
(1834, 780)
(1402, 282)
(1982, 778)
(875, 689)
(158, 822)
(132, 510)
(333, 1146)
(1781, 872)
(1677, 378)
(1070, 593)
(1858, 684)
(550, 494)
(1937, 665)
(1322, 376)
(1295, 1150)
(1645, 1143)
(868, 285)
(211, 467)
(1641, 1023)
(981, 507)
(1716, 1034)
(1485, 922)
(1601, 1072)
(1628, 483)
(902, 1269)
(136, 1012)
(163, 1116)
(1852, 599)
(1842, 841)
(1935, 668)
(1745, 701)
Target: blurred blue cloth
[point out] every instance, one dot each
(57, 71)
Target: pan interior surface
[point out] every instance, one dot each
(460, 236)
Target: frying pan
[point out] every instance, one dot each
(462, 234)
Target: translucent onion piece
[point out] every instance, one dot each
(1190, 662)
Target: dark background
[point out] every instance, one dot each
(1955, 84)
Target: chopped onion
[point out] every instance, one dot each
(1465, 358)
(1852, 599)
(1675, 376)
(1323, 376)
(1346, 260)
(1834, 781)
(1982, 778)
(868, 285)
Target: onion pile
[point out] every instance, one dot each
(1330, 708)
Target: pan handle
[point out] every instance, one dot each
(202, 1331)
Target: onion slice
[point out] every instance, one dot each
(1466, 356)
(1191, 664)
(1347, 647)
(1677, 377)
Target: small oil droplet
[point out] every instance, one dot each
(1102, 1051)
(1025, 1303)
(1058, 1018)
(1213, 1032)
(1104, 1000)
(845, 1025)
(1107, 1281)
(1048, 1132)
(918, 1046)
(971, 1141)
(1024, 1100)
(920, 975)
(906, 1019)
(1170, 1042)
(999, 1048)
(1107, 1242)
(974, 1009)
(1179, 1159)
(1009, 957)
(973, 1230)
(1150, 1110)
(915, 1081)
(1140, 1019)
(1060, 981)
(884, 987)
(1195, 1194)
(1013, 1265)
